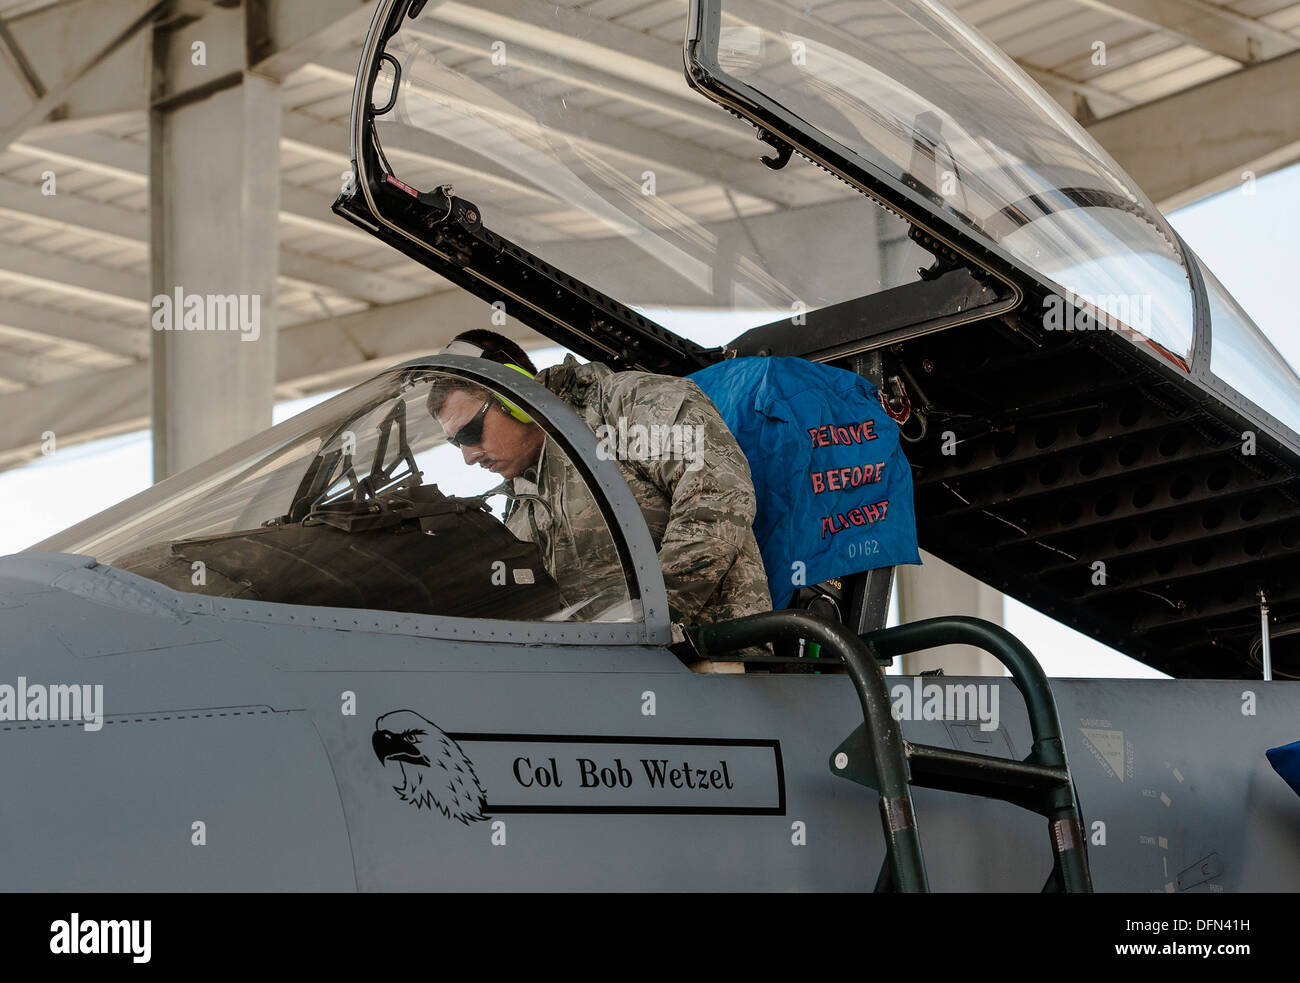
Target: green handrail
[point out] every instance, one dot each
(897, 817)
(1059, 804)
(1041, 782)
(1026, 673)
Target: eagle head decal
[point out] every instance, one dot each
(435, 771)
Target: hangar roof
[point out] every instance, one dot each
(74, 274)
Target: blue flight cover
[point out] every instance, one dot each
(1286, 762)
(834, 487)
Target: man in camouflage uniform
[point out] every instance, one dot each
(696, 493)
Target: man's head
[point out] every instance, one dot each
(477, 421)
(492, 346)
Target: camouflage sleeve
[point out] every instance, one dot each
(699, 466)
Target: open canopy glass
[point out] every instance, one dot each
(916, 97)
(915, 94)
(612, 168)
(620, 171)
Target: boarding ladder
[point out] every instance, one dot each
(877, 756)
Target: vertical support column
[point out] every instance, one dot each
(937, 589)
(214, 200)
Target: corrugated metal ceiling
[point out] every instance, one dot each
(74, 279)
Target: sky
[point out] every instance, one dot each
(1248, 236)
(1250, 241)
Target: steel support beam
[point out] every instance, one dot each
(32, 370)
(71, 145)
(315, 355)
(284, 35)
(354, 346)
(1199, 141)
(93, 54)
(1209, 26)
(130, 230)
(69, 53)
(214, 194)
(1068, 92)
(107, 336)
(14, 56)
(683, 104)
(85, 407)
(574, 35)
(124, 290)
(74, 215)
(656, 148)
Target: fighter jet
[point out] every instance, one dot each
(327, 662)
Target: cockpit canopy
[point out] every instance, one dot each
(364, 502)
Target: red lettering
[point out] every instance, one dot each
(833, 480)
(828, 524)
(880, 472)
(845, 475)
(818, 482)
(838, 433)
(883, 506)
(872, 513)
(857, 518)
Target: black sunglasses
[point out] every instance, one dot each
(472, 432)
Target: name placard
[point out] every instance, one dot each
(538, 773)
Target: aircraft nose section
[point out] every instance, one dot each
(60, 606)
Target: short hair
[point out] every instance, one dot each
(496, 348)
